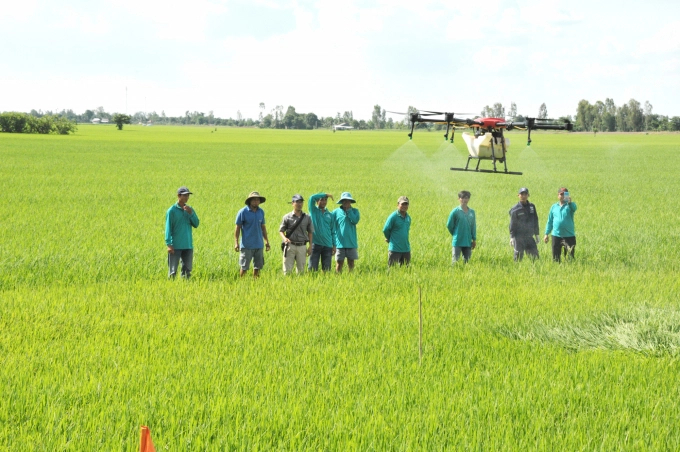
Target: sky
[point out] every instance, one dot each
(326, 57)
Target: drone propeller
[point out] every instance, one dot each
(444, 112)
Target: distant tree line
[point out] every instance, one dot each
(601, 116)
(17, 122)
(631, 117)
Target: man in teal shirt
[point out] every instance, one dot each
(561, 224)
(462, 225)
(346, 218)
(179, 221)
(396, 231)
(323, 241)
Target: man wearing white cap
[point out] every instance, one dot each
(346, 218)
(396, 232)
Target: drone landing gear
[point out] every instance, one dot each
(477, 170)
(492, 158)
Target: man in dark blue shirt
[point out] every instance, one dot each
(524, 226)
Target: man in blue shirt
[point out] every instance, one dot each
(561, 224)
(396, 232)
(323, 241)
(250, 221)
(179, 220)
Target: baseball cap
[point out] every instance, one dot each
(183, 191)
(297, 198)
(402, 199)
(523, 190)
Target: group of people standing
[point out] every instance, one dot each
(322, 233)
(524, 232)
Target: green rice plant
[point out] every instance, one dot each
(94, 341)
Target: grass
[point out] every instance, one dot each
(94, 342)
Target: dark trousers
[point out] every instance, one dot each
(525, 245)
(568, 244)
(394, 257)
(187, 258)
(323, 253)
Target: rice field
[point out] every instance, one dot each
(94, 341)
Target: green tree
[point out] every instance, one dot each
(675, 123)
(119, 119)
(583, 116)
(498, 110)
(289, 117)
(311, 119)
(64, 126)
(648, 113)
(376, 117)
(542, 112)
(636, 117)
(348, 117)
(513, 110)
(622, 122)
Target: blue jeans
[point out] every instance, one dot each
(325, 253)
(187, 258)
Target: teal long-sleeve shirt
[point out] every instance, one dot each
(178, 226)
(346, 227)
(324, 225)
(561, 220)
(462, 226)
(396, 231)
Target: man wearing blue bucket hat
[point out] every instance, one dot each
(346, 218)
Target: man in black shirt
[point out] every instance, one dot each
(524, 226)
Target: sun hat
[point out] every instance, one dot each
(523, 190)
(183, 191)
(254, 194)
(346, 195)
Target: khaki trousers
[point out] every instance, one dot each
(296, 254)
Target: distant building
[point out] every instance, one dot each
(96, 120)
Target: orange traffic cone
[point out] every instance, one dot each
(145, 443)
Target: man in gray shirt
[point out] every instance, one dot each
(296, 232)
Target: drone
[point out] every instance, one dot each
(488, 142)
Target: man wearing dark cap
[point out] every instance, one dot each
(296, 232)
(179, 221)
(251, 227)
(396, 232)
(561, 224)
(323, 240)
(524, 226)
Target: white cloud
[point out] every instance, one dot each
(665, 40)
(176, 20)
(325, 56)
